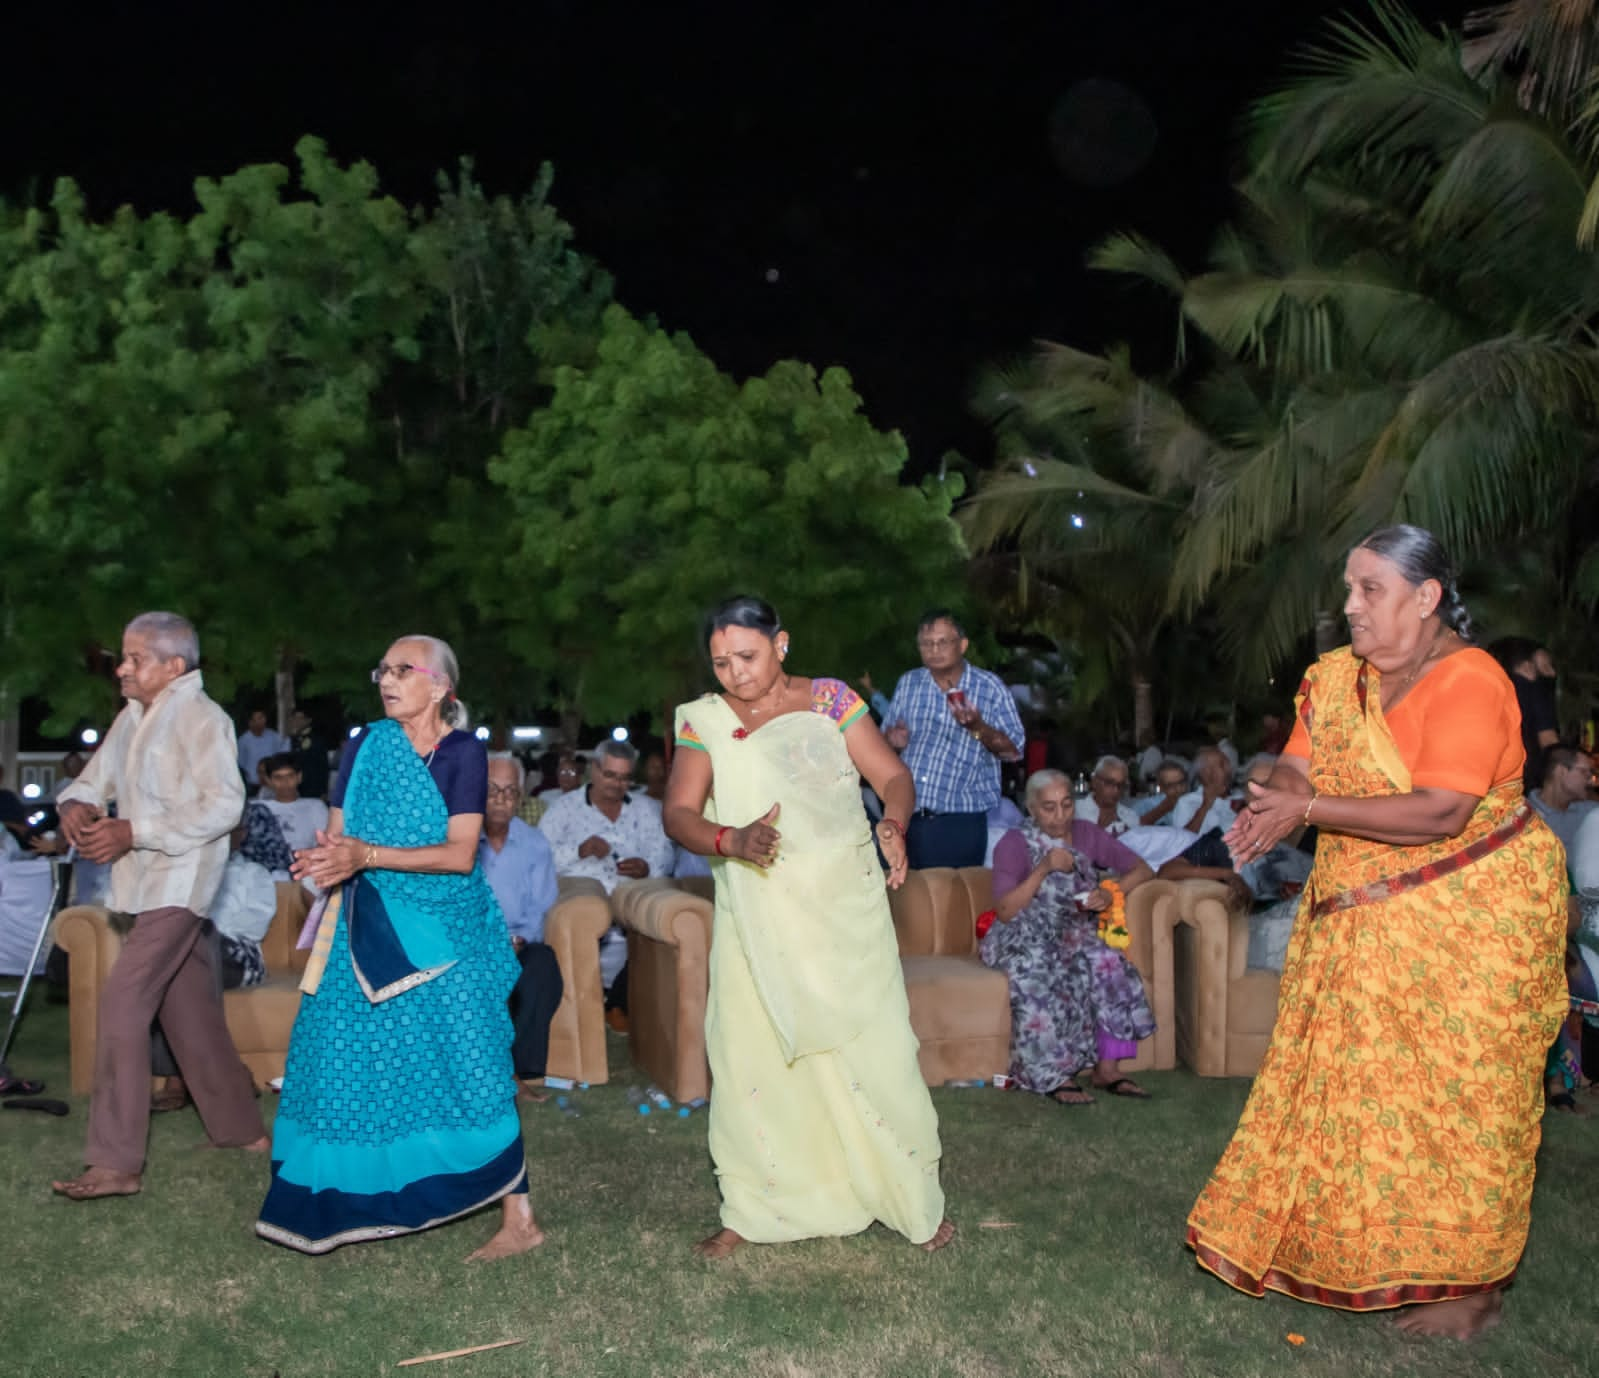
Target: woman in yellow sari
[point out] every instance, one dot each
(1385, 1156)
(820, 1122)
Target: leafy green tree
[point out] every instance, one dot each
(264, 416)
(652, 485)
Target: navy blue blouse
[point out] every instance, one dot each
(460, 768)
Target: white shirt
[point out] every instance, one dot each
(300, 819)
(1125, 818)
(171, 770)
(571, 820)
(253, 749)
(1222, 814)
(246, 901)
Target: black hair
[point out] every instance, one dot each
(1511, 651)
(1420, 556)
(283, 760)
(933, 616)
(1558, 757)
(745, 610)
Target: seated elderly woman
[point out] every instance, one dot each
(1077, 1004)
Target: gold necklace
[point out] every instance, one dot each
(1420, 665)
(781, 695)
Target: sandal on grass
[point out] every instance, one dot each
(50, 1107)
(1071, 1095)
(19, 1086)
(1123, 1086)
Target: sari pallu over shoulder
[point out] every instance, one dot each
(798, 923)
(397, 941)
(1354, 755)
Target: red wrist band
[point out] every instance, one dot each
(720, 834)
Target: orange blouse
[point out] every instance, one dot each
(1458, 729)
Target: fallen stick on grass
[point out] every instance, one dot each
(456, 1353)
(996, 1224)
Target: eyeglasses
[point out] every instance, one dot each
(1108, 783)
(401, 671)
(938, 643)
(504, 792)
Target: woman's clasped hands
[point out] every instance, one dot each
(1266, 819)
(333, 860)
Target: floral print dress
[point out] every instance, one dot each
(1073, 1000)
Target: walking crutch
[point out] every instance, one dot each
(21, 993)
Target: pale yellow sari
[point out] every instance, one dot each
(820, 1122)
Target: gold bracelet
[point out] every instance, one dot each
(370, 863)
(1305, 822)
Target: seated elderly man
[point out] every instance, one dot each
(1077, 1004)
(608, 834)
(1208, 810)
(520, 868)
(1107, 788)
(1562, 798)
(1171, 784)
(1270, 884)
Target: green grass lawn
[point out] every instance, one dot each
(1090, 1277)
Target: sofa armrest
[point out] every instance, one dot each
(1141, 906)
(573, 927)
(84, 932)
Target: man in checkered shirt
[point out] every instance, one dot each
(953, 724)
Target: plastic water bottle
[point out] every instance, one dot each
(966, 1082)
(636, 1099)
(658, 1098)
(559, 1083)
(698, 1103)
(567, 1108)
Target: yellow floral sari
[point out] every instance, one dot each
(1385, 1155)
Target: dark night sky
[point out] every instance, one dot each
(893, 162)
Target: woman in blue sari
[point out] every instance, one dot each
(399, 1103)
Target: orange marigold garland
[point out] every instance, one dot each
(1113, 921)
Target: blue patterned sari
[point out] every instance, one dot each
(399, 1103)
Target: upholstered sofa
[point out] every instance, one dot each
(1224, 1008)
(960, 1009)
(261, 1017)
(668, 925)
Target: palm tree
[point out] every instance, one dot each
(1398, 325)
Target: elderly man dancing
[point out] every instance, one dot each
(168, 763)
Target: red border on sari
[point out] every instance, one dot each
(1383, 1298)
(1381, 890)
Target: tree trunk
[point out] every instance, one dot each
(284, 683)
(10, 739)
(1143, 710)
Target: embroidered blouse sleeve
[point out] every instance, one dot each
(836, 700)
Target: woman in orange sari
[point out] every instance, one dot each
(1385, 1156)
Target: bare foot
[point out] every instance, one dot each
(941, 1236)
(518, 1232)
(99, 1181)
(1463, 1318)
(526, 1090)
(719, 1245)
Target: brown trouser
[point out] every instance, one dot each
(164, 971)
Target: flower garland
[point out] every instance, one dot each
(1113, 920)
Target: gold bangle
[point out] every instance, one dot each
(370, 863)
(1305, 822)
